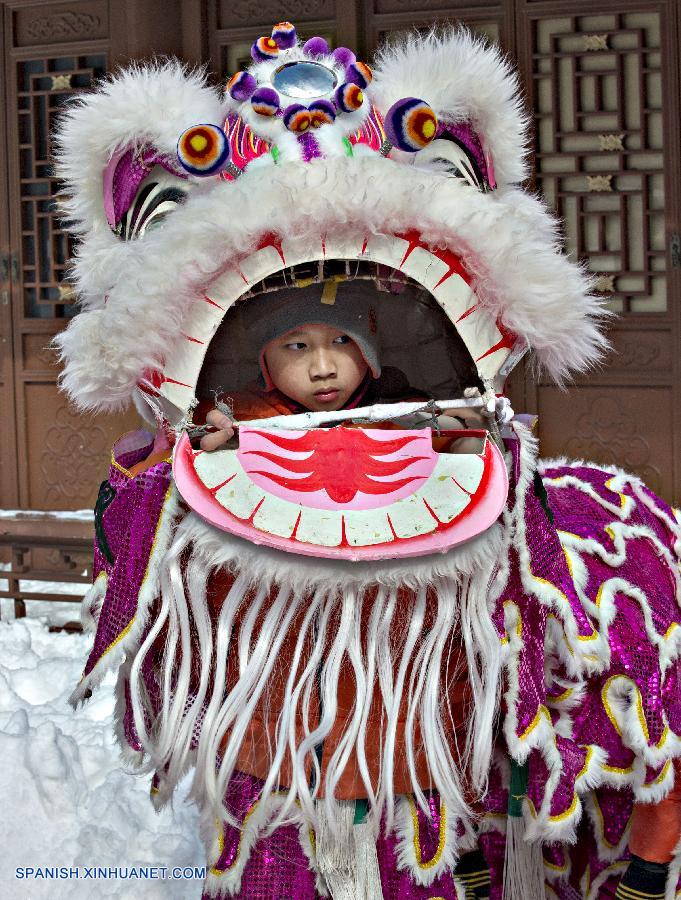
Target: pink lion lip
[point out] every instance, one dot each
(345, 493)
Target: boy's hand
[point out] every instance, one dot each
(217, 438)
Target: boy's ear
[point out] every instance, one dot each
(137, 113)
(464, 80)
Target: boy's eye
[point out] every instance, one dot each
(342, 339)
(295, 345)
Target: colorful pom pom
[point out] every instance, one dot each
(297, 118)
(343, 56)
(203, 150)
(349, 97)
(284, 33)
(265, 101)
(316, 46)
(359, 73)
(241, 86)
(322, 112)
(264, 48)
(410, 124)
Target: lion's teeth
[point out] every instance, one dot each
(425, 268)
(465, 468)
(455, 296)
(240, 496)
(320, 526)
(226, 289)
(300, 250)
(366, 527)
(277, 516)
(349, 247)
(386, 249)
(260, 264)
(445, 497)
(216, 467)
(410, 517)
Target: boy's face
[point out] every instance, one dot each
(316, 365)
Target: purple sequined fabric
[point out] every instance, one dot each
(129, 523)
(277, 866)
(589, 606)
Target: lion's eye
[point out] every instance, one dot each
(151, 206)
(451, 158)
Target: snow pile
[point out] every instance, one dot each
(67, 798)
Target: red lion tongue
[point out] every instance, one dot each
(342, 462)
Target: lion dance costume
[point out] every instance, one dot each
(377, 657)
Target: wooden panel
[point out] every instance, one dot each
(67, 454)
(491, 20)
(60, 23)
(453, 8)
(598, 118)
(628, 427)
(266, 13)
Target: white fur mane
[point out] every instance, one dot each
(323, 601)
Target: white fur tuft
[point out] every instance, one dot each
(142, 105)
(463, 78)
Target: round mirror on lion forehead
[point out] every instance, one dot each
(304, 79)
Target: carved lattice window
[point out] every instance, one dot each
(42, 87)
(598, 109)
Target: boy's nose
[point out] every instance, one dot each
(322, 365)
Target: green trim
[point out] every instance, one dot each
(105, 498)
(348, 147)
(517, 789)
(540, 491)
(361, 810)
(274, 150)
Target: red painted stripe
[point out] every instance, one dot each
(465, 315)
(213, 303)
(214, 490)
(503, 343)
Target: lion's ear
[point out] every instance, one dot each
(468, 84)
(136, 115)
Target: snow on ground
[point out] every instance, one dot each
(66, 797)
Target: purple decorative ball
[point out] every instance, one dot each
(343, 56)
(316, 46)
(322, 112)
(264, 49)
(297, 118)
(284, 33)
(359, 73)
(348, 97)
(241, 86)
(265, 101)
(410, 124)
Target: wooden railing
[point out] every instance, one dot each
(55, 548)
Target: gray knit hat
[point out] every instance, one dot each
(344, 305)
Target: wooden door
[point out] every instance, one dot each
(52, 458)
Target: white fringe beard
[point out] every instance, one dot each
(317, 607)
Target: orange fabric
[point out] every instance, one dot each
(254, 757)
(151, 460)
(656, 827)
(248, 404)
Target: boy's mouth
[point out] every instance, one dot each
(326, 395)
